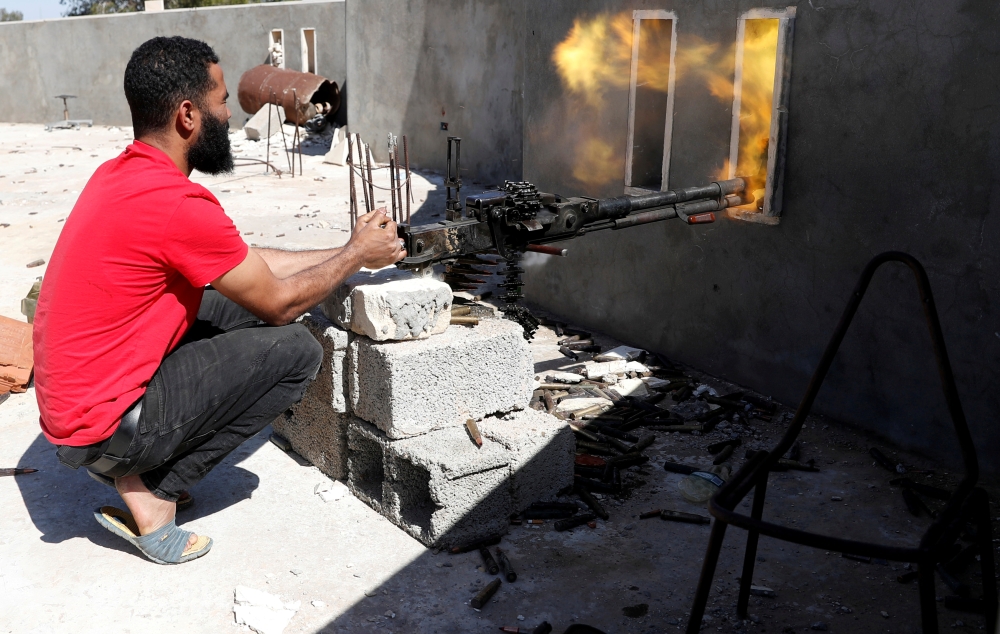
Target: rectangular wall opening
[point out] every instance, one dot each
(760, 109)
(651, 101)
(276, 47)
(308, 51)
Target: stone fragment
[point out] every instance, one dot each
(406, 388)
(654, 383)
(631, 387)
(542, 449)
(598, 370)
(576, 404)
(635, 366)
(256, 128)
(316, 426)
(554, 376)
(761, 591)
(338, 148)
(391, 304)
(262, 612)
(621, 353)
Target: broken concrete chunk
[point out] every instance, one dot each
(390, 304)
(598, 370)
(635, 366)
(256, 128)
(263, 612)
(556, 376)
(576, 404)
(621, 353)
(654, 383)
(338, 148)
(631, 387)
(407, 388)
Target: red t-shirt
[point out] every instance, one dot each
(122, 287)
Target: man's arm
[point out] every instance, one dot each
(278, 301)
(286, 263)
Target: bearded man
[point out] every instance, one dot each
(143, 376)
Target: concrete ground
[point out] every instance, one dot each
(350, 568)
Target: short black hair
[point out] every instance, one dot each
(163, 72)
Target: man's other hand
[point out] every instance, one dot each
(374, 240)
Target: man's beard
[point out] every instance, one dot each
(211, 154)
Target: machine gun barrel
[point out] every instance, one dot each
(624, 205)
(520, 218)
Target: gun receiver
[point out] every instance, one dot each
(519, 218)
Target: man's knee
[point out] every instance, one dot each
(308, 353)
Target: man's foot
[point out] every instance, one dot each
(150, 512)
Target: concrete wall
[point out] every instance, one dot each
(416, 63)
(893, 143)
(86, 56)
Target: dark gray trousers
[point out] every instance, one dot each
(228, 379)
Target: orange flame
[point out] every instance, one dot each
(596, 57)
(760, 51)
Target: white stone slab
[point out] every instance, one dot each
(256, 128)
(621, 353)
(598, 370)
(338, 148)
(391, 305)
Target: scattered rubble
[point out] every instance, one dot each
(263, 612)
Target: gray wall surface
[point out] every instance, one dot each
(416, 63)
(86, 56)
(893, 144)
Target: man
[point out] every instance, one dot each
(142, 375)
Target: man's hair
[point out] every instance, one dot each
(163, 72)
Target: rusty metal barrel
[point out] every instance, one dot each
(267, 84)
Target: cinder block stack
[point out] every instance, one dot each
(388, 411)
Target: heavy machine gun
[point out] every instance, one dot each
(518, 219)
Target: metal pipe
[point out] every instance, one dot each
(409, 192)
(353, 213)
(361, 165)
(371, 189)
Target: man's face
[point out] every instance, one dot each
(210, 152)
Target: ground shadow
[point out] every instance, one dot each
(61, 501)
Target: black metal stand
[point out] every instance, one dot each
(967, 503)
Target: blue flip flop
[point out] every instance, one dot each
(184, 502)
(166, 545)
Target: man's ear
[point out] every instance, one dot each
(187, 118)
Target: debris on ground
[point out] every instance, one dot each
(261, 611)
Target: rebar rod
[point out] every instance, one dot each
(409, 192)
(353, 212)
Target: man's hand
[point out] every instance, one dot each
(253, 285)
(374, 240)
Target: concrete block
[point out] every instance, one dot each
(439, 488)
(446, 490)
(542, 450)
(338, 148)
(256, 128)
(407, 388)
(316, 426)
(390, 304)
(367, 454)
